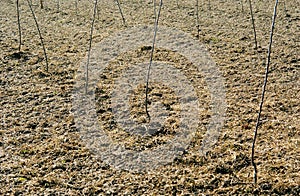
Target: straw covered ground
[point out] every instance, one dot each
(42, 150)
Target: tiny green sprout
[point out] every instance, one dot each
(22, 179)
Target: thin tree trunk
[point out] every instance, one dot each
(19, 26)
(90, 47)
(119, 6)
(42, 4)
(76, 7)
(197, 18)
(151, 58)
(242, 5)
(253, 23)
(41, 38)
(57, 5)
(263, 93)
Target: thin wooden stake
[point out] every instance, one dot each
(57, 5)
(285, 10)
(42, 4)
(40, 35)
(151, 58)
(242, 5)
(76, 7)
(197, 18)
(263, 92)
(120, 10)
(154, 9)
(253, 24)
(90, 47)
(19, 26)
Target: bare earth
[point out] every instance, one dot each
(41, 152)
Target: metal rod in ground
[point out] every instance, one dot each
(119, 6)
(90, 47)
(253, 23)
(151, 58)
(19, 26)
(263, 93)
(40, 35)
